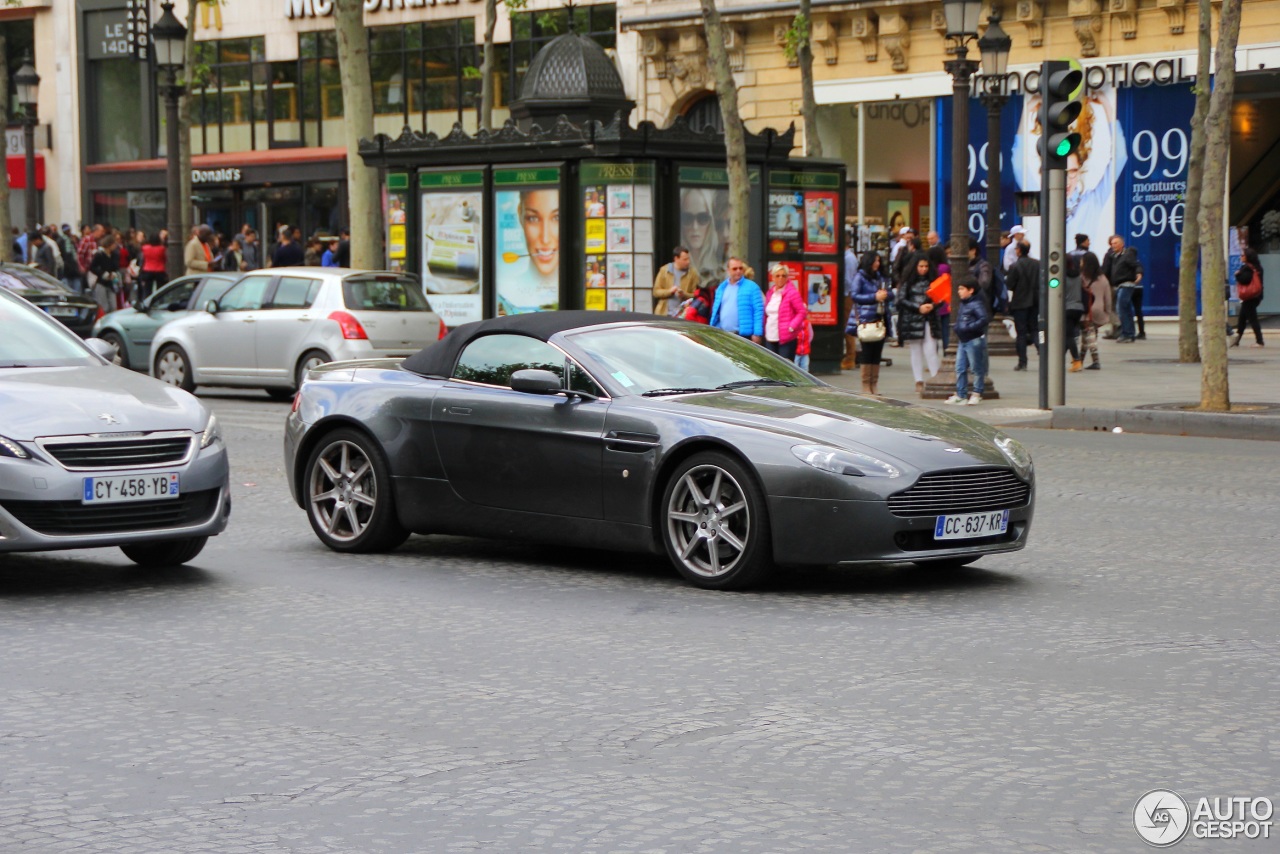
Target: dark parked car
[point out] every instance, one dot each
(75, 311)
(624, 431)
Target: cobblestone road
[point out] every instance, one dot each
(460, 695)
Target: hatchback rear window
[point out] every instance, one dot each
(376, 293)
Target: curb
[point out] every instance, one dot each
(1205, 424)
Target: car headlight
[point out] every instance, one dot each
(839, 461)
(10, 448)
(212, 432)
(1015, 453)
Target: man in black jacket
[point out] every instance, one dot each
(1124, 271)
(1023, 282)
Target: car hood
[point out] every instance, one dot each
(915, 435)
(37, 402)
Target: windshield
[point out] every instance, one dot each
(30, 279)
(32, 340)
(383, 293)
(670, 360)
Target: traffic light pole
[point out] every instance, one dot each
(1061, 84)
(1053, 225)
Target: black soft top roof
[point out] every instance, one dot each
(439, 358)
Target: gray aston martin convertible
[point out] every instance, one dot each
(96, 455)
(629, 432)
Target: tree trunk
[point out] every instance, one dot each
(1214, 391)
(364, 203)
(734, 133)
(6, 227)
(487, 71)
(1188, 341)
(808, 103)
(184, 127)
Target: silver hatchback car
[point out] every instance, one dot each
(92, 454)
(274, 325)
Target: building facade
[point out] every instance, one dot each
(885, 109)
(266, 104)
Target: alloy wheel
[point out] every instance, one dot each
(708, 521)
(343, 491)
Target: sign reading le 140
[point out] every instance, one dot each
(323, 8)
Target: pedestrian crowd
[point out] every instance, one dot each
(119, 268)
(903, 299)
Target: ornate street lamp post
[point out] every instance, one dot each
(169, 38)
(27, 83)
(962, 27)
(994, 46)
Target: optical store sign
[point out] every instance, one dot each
(324, 8)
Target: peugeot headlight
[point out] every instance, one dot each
(839, 461)
(1015, 453)
(10, 448)
(212, 432)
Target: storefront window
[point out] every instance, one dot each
(229, 110)
(420, 75)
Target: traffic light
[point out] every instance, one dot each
(1061, 88)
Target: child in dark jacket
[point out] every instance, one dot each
(971, 332)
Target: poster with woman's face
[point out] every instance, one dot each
(704, 220)
(451, 236)
(527, 265)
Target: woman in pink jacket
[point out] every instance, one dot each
(784, 313)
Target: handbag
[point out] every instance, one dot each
(873, 330)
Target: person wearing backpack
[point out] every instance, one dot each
(1249, 289)
(71, 272)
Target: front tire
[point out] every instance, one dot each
(174, 368)
(348, 491)
(169, 553)
(122, 354)
(715, 525)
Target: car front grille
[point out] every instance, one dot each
(90, 453)
(961, 492)
(71, 518)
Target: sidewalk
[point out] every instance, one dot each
(1141, 388)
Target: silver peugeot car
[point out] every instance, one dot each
(92, 454)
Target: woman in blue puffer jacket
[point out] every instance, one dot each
(870, 303)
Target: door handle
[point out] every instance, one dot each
(303, 319)
(250, 320)
(459, 410)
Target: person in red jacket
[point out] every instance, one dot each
(154, 264)
(785, 313)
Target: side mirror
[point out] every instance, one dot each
(102, 348)
(211, 306)
(536, 382)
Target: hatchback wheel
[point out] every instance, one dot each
(310, 359)
(349, 500)
(174, 368)
(715, 526)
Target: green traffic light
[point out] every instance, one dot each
(1064, 147)
(1053, 283)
